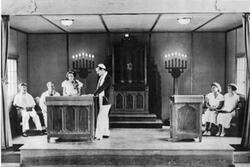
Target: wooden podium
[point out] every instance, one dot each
(185, 117)
(70, 117)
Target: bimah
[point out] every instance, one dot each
(185, 117)
(70, 117)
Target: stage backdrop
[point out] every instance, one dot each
(47, 59)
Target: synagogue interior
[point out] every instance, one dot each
(163, 59)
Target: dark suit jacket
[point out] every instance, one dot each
(106, 88)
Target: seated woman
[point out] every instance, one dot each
(228, 110)
(71, 86)
(214, 101)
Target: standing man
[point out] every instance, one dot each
(24, 102)
(102, 92)
(50, 92)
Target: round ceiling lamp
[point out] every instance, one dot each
(67, 22)
(184, 20)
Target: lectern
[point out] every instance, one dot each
(70, 117)
(185, 117)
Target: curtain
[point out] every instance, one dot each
(6, 138)
(246, 124)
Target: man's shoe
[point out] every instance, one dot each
(44, 132)
(97, 138)
(41, 133)
(24, 134)
(105, 137)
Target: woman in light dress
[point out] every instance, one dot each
(71, 86)
(214, 102)
(225, 115)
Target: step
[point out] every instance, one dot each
(241, 156)
(10, 164)
(241, 164)
(136, 124)
(132, 117)
(11, 155)
(165, 158)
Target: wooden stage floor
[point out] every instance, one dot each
(129, 147)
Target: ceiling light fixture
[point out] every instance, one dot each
(67, 22)
(126, 35)
(184, 20)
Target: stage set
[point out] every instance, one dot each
(70, 139)
(129, 147)
(162, 58)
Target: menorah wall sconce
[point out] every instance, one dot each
(175, 63)
(83, 63)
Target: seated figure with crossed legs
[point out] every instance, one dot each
(24, 102)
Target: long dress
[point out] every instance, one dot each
(210, 116)
(230, 103)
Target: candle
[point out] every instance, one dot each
(175, 62)
(73, 61)
(90, 61)
(77, 62)
(179, 62)
(172, 63)
(93, 62)
(185, 63)
(86, 60)
(166, 64)
(83, 60)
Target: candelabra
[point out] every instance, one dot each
(82, 64)
(175, 63)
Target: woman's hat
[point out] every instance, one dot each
(233, 86)
(217, 85)
(22, 84)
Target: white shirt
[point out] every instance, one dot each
(69, 88)
(214, 101)
(24, 100)
(45, 94)
(230, 102)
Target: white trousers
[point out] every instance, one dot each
(102, 124)
(45, 118)
(25, 119)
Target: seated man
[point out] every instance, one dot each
(25, 102)
(228, 110)
(50, 92)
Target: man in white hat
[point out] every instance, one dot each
(24, 102)
(102, 92)
(50, 92)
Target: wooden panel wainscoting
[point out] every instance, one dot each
(131, 102)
